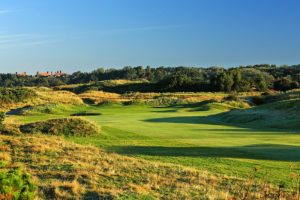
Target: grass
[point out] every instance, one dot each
(188, 135)
(279, 114)
(64, 170)
(14, 184)
(32, 96)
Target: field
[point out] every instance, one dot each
(192, 136)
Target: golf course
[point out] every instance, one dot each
(192, 135)
(57, 144)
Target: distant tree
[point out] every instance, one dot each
(225, 81)
(149, 74)
(237, 78)
(285, 84)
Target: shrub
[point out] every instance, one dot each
(2, 119)
(11, 129)
(15, 184)
(165, 101)
(285, 84)
(64, 126)
(232, 97)
(15, 95)
(132, 102)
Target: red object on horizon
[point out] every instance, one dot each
(47, 74)
(21, 74)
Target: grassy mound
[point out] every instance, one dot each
(11, 96)
(64, 170)
(280, 114)
(97, 97)
(49, 108)
(46, 95)
(15, 95)
(15, 98)
(272, 97)
(65, 126)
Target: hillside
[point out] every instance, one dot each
(18, 98)
(277, 111)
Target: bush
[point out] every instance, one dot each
(16, 185)
(232, 97)
(11, 129)
(15, 95)
(65, 126)
(285, 84)
(2, 119)
(165, 101)
(132, 102)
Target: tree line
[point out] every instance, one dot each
(240, 79)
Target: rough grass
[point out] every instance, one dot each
(96, 97)
(64, 170)
(11, 97)
(124, 81)
(64, 126)
(154, 99)
(38, 96)
(62, 97)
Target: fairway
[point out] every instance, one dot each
(193, 138)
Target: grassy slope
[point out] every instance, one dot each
(64, 170)
(280, 114)
(187, 136)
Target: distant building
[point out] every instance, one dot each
(54, 74)
(22, 74)
(43, 74)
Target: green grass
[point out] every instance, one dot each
(190, 136)
(281, 115)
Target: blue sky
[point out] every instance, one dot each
(86, 34)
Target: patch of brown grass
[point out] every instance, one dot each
(62, 97)
(99, 96)
(124, 81)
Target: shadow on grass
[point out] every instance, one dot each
(261, 152)
(244, 131)
(213, 120)
(164, 111)
(198, 106)
(96, 196)
(17, 111)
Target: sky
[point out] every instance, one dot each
(83, 35)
